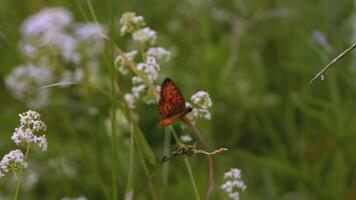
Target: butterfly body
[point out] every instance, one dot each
(171, 103)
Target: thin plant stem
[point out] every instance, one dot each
(129, 187)
(192, 178)
(331, 63)
(19, 174)
(187, 164)
(146, 171)
(166, 150)
(210, 158)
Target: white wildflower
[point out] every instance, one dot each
(63, 44)
(121, 64)
(30, 125)
(25, 78)
(129, 22)
(47, 19)
(150, 68)
(32, 119)
(41, 142)
(145, 35)
(136, 80)
(138, 90)
(88, 31)
(202, 102)
(131, 100)
(233, 183)
(202, 99)
(22, 135)
(186, 138)
(12, 162)
(90, 39)
(159, 53)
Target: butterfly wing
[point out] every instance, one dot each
(171, 103)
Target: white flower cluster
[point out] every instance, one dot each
(121, 64)
(233, 183)
(30, 125)
(159, 53)
(149, 66)
(145, 35)
(25, 78)
(186, 138)
(52, 42)
(12, 162)
(47, 19)
(129, 22)
(201, 104)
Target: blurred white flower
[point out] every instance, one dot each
(63, 44)
(25, 78)
(159, 53)
(12, 162)
(54, 43)
(31, 179)
(25, 134)
(201, 104)
(136, 80)
(88, 31)
(150, 68)
(202, 99)
(55, 18)
(138, 90)
(145, 35)
(121, 64)
(131, 100)
(233, 183)
(129, 22)
(90, 39)
(186, 138)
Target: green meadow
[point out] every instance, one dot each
(291, 140)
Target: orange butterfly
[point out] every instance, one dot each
(171, 103)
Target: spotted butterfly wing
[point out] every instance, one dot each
(171, 103)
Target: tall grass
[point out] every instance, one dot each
(292, 140)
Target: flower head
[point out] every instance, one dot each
(145, 35)
(186, 138)
(121, 64)
(30, 125)
(45, 20)
(25, 78)
(201, 104)
(129, 22)
(202, 99)
(12, 162)
(159, 53)
(233, 183)
(89, 36)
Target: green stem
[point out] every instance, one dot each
(187, 164)
(129, 186)
(146, 171)
(166, 150)
(19, 175)
(192, 178)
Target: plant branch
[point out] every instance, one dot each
(330, 64)
(210, 159)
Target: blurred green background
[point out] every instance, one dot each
(292, 140)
